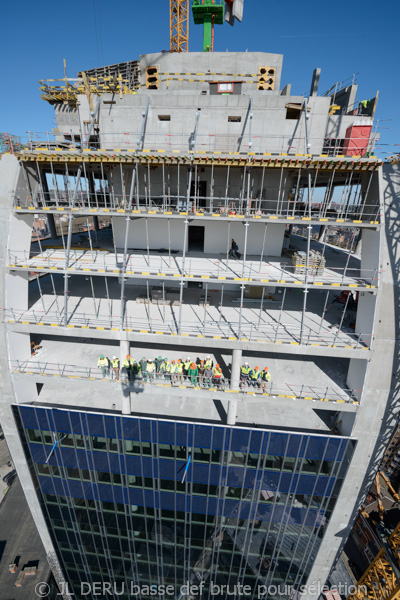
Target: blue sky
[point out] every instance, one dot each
(342, 39)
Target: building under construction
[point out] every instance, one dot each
(158, 165)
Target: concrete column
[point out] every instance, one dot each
(232, 411)
(124, 347)
(321, 234)
(236, 364)
(52, 225)
(125, 386)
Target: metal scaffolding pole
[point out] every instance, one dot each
(212, 189)
(132, 188)
(303, 314)
(169, 242)
(147, 242)
(70, 221)
(342, 317)
(280, 312)
(261, 190)
(228, 243)
(324, 311)
(123, 272)
(243, 286)
(182, 282)
(227, 188)
(261, 307)
(263, 246)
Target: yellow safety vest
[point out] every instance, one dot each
(115, 363)
(265, 376)
(187, 364)
(208, 364)
(126, 364)
(217, 372)
(255, 374)
(245, 370)
(103, 362)
(150, 367)
(179, 367)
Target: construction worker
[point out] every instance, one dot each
(265, 378)
(217, 375)
(208, 373)
(164, 368)
(254, 377)
(186, 366)
(172, 371)
(244, 374)
(126, 368)
(209, 363)
(158, 362)
(202, 370)
(151, 369)
(136, 369)
(143, 368)
(193, 373)
(115, 367)
(179, 370)
(104, 364)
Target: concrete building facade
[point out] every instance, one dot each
(165, 480)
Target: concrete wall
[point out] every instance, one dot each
(356, 376)
(120, 123)
(378, 411)
(366, 314)
(370, 254)
(217, 235)
(12, 344)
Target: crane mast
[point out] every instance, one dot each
(179, 25)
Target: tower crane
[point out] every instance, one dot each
(205, 12)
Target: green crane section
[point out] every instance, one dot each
(208, 13)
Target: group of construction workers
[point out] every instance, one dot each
(201, 373)
(254, 377)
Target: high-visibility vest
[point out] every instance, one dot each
(168, 367)
(217, 372)
(150, 367)
(245, 370)
(255, 375)
(103, 362)
(208, 364)
(115, 363)
(265, 376)
(179, 367)
(173, 368)
(126, 364)
(187, 364)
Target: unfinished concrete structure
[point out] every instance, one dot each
(166, 160)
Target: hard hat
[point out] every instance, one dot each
(165, 358)
(202, 362)
(101, 356)
(127, 356)
(134, 362)
(265, 368)
(114, 357)
(217, 365)
(256, 368)
(246, 363)
(208, 356)
(173, 361)
(159, 358)
(179, 360)
(188, 358)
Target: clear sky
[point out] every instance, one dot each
(341, 38)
